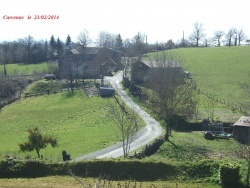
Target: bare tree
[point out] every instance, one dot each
(172, 92)
(246, 104)
(241, 36)
(218, 37)
(248, 42)
(210, 105)
(106, 39)
(140, 44)
(127, 124)
(84, 39)
(28, 42)
(230, 36)
(197, 34)
(206, 42)
(5, 46)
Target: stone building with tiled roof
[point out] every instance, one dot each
(241, 130)
(89, 62)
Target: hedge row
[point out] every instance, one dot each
(115, 170)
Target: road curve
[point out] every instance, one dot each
(151, 131)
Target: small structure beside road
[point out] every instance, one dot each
(107, 91)
(241, 130)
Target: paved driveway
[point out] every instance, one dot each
(151, 131)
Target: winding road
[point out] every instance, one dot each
(151, 131)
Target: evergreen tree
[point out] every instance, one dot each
(68, 41)
(118, 42)
(52, 42)
(46, 50)
(59, 47)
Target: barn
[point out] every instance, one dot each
(241, 130)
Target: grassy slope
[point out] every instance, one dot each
(220, 71)
(22, 69)
(81, 124)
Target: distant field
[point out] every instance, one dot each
(221, 72)
(24, 69)
(81, 124)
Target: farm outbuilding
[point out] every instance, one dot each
(241, 130)
(107, 91)
(50, 77)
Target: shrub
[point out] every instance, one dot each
(229, 174)
(115, 170)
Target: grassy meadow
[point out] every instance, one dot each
(220, 71)
(221, 74)
(26, 69)
(80, 124)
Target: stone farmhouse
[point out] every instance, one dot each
(89, 62)
(141, 68)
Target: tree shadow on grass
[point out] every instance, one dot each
(69, 95)
(186, 151)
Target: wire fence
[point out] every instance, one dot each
(232, 105)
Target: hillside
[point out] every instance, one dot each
(27, 69)
(221, 72)
(80, 124)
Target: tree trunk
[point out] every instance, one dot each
(4, 70)
(38, 153)
(167, 130)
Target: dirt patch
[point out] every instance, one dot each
(92, 91)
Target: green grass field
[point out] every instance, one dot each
(25, 69)
(80, 124)
(221, 72)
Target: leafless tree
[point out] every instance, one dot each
(241, 36)
(248, 42)
(106, 39)
(230, 36)
(210, 105)
(79, 179)
(206, 42)
(218, 37)
(5, 46)
(139, 44)
(197, 34)
(246, 104)
(128, 62)
(15, 51)
(127, 124)
(27, 43)
(172, 92)
(84, 38)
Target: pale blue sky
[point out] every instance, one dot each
(160, 20)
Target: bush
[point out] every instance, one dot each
(229, 174)
(45, 87)
(115, 170)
